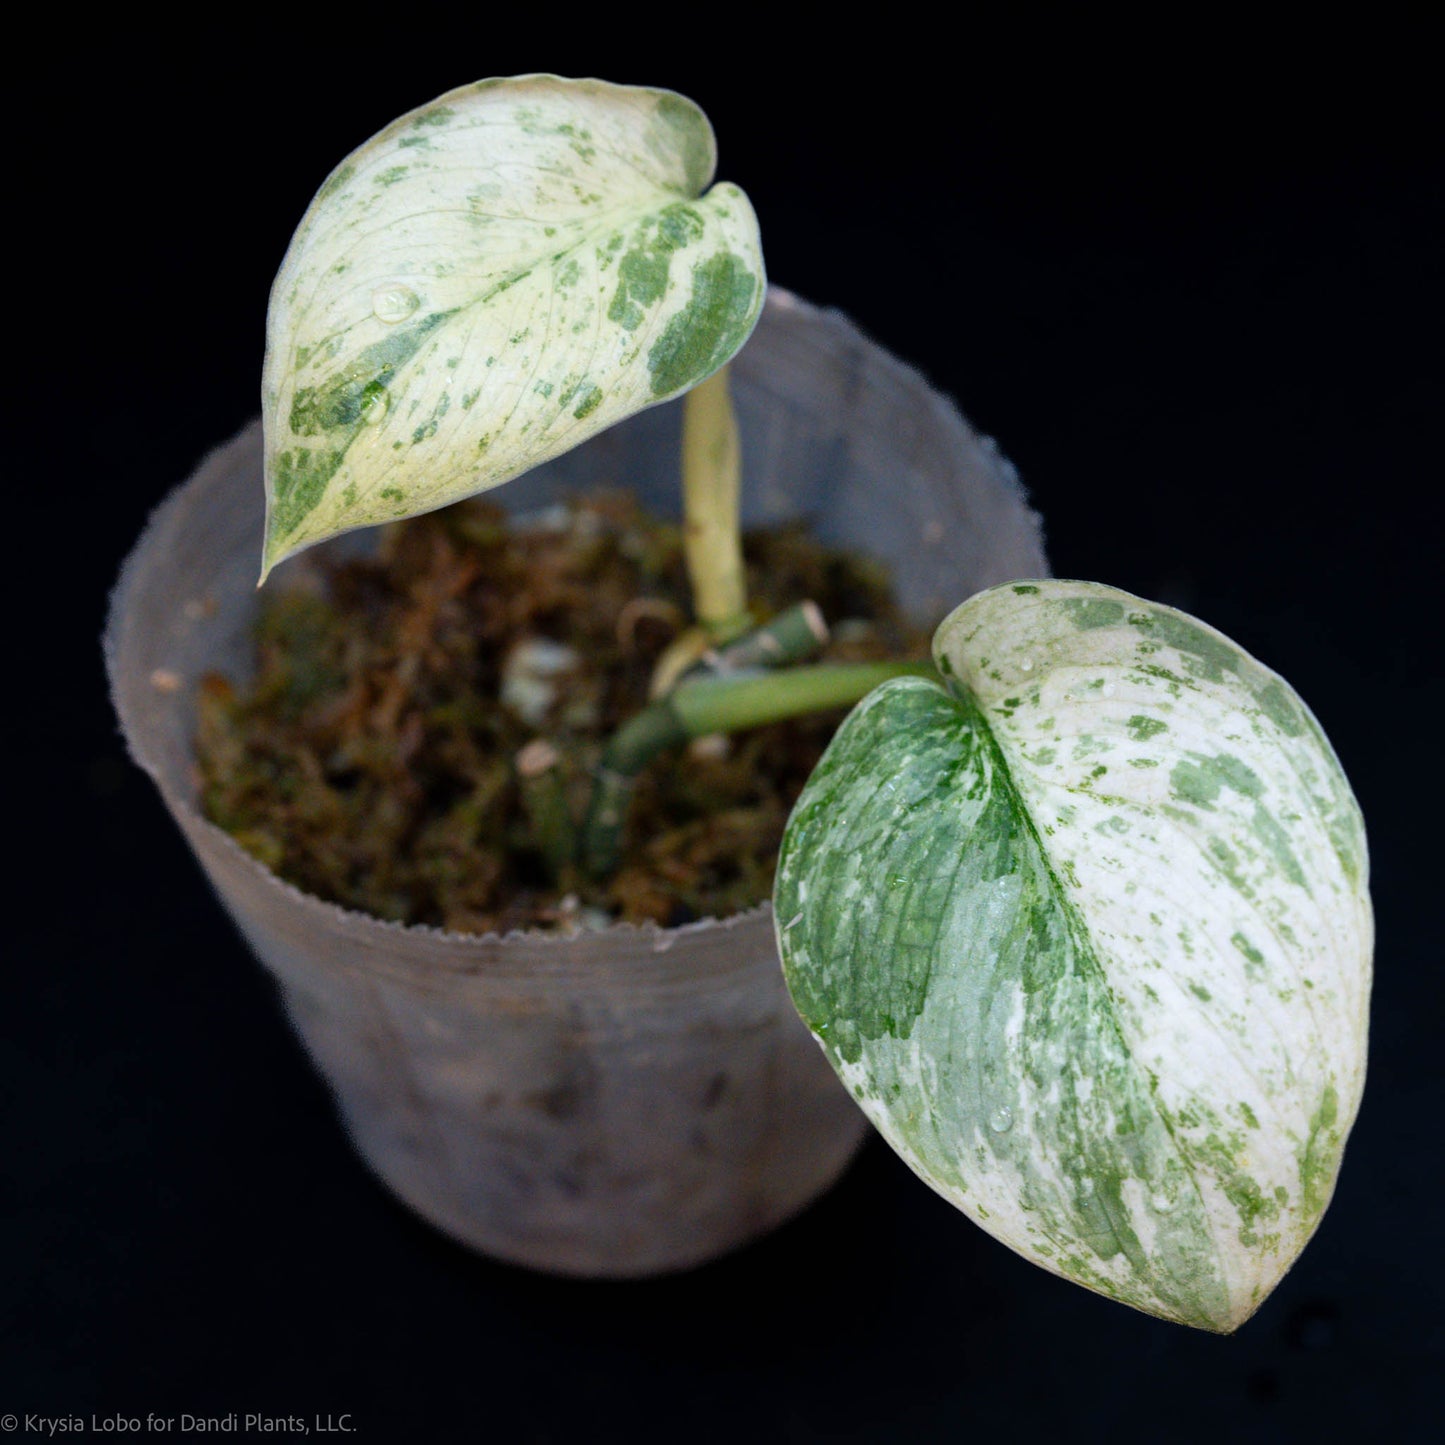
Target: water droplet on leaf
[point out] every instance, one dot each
(394, 303)
(1001, 1120)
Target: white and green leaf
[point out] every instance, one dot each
(488, 282)
(1087, 932)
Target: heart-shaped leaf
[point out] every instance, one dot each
(490, 281)
(1087, 933)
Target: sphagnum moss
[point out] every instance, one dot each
(374, 759)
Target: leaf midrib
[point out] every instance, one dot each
(1088, 957)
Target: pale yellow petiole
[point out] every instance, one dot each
(711, 484)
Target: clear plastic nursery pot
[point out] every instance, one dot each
(618, 1103)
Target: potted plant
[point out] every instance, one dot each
(1037, 906)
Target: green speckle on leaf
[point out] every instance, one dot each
(1276, 843)
(1089, 613)
(298, 482)
(1227, 861)
(706, 333)
(1142, 728)
(1244, 1193)
(1251, 954)
(428, 428)
(589, 398)
(1206, 653)
(1199, 780)
(643, 271)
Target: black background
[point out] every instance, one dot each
(1190, 286)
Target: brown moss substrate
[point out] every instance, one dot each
(372, 760)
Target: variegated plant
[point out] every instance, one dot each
(1084, 925)
(489, 281)
(1086, 930)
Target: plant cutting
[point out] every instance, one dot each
(1078, 912)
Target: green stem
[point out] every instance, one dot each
(711, 485)
(716, 705)
(731, 704)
